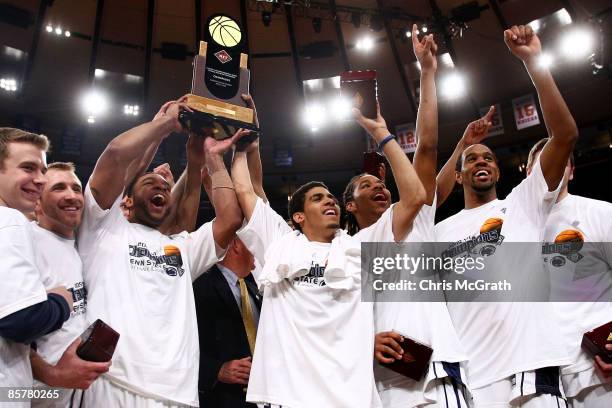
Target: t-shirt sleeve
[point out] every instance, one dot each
(21, 282)
(533, 197)
(202, 251)
(93, 215)
(264, 227)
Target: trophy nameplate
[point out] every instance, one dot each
(220, 77)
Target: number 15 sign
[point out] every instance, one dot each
(525, 112)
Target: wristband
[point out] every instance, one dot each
(221, 179)
(386, 140)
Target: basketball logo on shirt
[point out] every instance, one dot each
(567, 245)
(483, 244)
(170, 262)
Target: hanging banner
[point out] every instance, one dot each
(497, 125)
(525, 112)
(406, 137)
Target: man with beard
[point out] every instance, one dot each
(27, 311)
(515, 349)
(315, 336)
(139, 280)
(584, 280)
(58, 214)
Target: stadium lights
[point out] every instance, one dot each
(8, 84)
(546, 60)
(314, 115)
(133, 110)
(447, 60)
(365, 44)
(424, 28)
(91, 119)
(340, 108)
(57, 30)
(452, 86)
(576, 43)
(563, 16)
(94, 104)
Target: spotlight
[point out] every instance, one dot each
(91, 119)
(447, 60)
(316, 24)
(266, 18)
(408, 33)
(535, 25)
(452, 86)
(67, 33)
(356, 19)
(58, 30)
(545, 61)
(577, 43)
(314, 115)
(564, 17)
(424, 28)
(340, 108)
(365, 44)
(376, 23)
(8, 84)
(49, 28)
(99, 73)
(94, 103)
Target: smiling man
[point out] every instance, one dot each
(27, 311)
(58, 212)
(139, 279)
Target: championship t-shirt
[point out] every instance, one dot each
(314, 343)
(582, 274)
(426, 322)
(21, 287)
(139, 281)
(503, 338)
(60, 265)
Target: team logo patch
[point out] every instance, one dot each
(223, 56)
(483, 244)
(567, 246)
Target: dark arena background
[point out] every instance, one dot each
(83, 71)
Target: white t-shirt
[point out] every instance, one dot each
(503, 338)
(590, 268)
(314, 344)
(20, 287)
(60, 265)
(139, 281)
(426, 322)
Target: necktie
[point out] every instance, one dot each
(247, 315)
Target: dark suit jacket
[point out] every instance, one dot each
(222, 337)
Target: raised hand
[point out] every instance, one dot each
(164, 171)
(377, 128)
(523, 42)
(195, 149)
(248, 99)
(169, 111)
(425, 50)
(477, 131)
(220, 147)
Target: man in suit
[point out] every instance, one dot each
(227, 306)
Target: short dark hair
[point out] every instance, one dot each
(459, 163)
(538, 147)
(62, 166)
(349, 222)
(12, 135)
(129, 189)
(296, 203)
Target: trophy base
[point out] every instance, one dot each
(223, 118)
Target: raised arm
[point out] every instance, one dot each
(474, 133)
(110, 174)
(186, 191)
(561, 127)
(223, 196)
(411, 191)
(245, 193)
(254, 157)
(426, 155)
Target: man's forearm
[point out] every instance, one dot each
(256, 172)
(241, 179)
(425, 158)
(223, 198)
(129, 145)
(42, 371)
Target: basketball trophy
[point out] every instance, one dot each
(220, 77)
